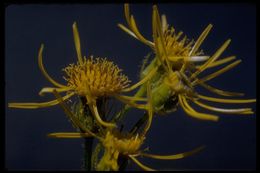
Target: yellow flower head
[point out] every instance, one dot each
(89, 78)
(181, 62)
(124, 143)
(98, 77)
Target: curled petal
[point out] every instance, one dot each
(44, 72)
(184, 104)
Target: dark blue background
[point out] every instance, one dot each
(231, 143)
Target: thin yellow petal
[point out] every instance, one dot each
(38, 105)
(147, 77)
(130, 102)
(227, 111)
(133, 98)
(44, 72)
(69, 135)
(164, 23)
(193, 113)
(73, 118)
(220, 92)
(138, 34)
(50, 90)
(217, 73)
(222, 61)
(127, 30)
(212, 59)
(219, 100)
(67, 111)
(127, 13)
(94, 111)
(146, 168)
(200, 40)
(175, 156)
(77, 42)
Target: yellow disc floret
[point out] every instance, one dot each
(96, 77)
(116, 143)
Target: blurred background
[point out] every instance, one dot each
(230, 143)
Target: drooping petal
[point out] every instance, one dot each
(93, 108)
(146, 168)
(193, 113)
(175, 156)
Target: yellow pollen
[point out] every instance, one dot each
(177, 46)
(123, 144)
(95, 77)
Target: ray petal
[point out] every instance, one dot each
(227, 111)
(146, 168)
(220, 100)
(77, 42)
(38, 105)
(175, 156)
(218, 91)
(69, 135)
(193, 113)
(211, 59)
(217, 73)
(50, 90)
(44, 72)
(200, 39)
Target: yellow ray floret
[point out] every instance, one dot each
(38, 105)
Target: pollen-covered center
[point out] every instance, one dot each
(124, 144)
(175, 45)
(96, 77)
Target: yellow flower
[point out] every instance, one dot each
(117, 143)
(95, 77)
(91, 78)
(181, 61)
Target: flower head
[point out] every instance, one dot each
(91, 79)
(181, 62)
(98, 77)
(116, 143)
